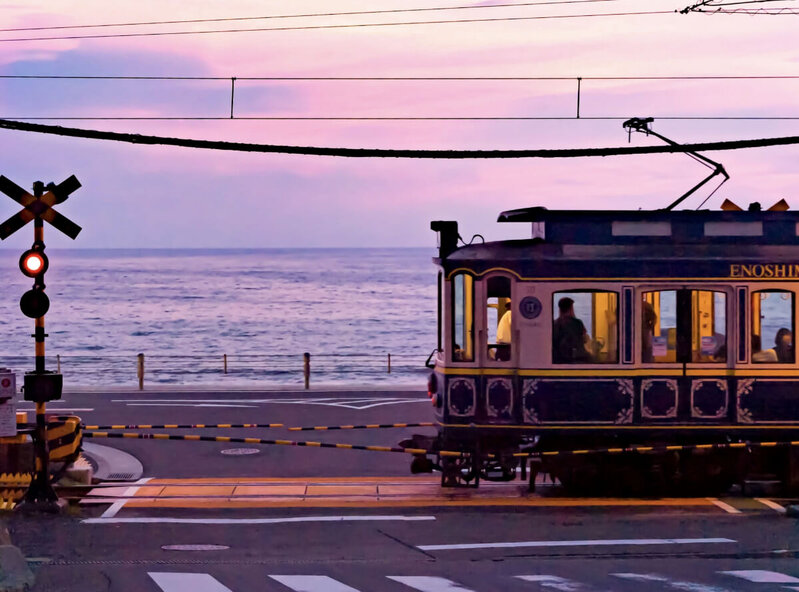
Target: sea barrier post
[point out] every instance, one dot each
(224, 363)
(307, 369)
(389, 363)
(140, 370)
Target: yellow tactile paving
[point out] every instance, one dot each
(342, 490)
(350, 492)
(267, 490)
(198, 491)
(350, 502)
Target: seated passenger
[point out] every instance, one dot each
(502, 351)
(569, 336)
(762, 356)
(783, 346)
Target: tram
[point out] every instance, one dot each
(668, 334)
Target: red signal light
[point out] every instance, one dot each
(33, 263)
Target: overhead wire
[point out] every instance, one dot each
(403, 118)
(393, 153)
(399, 78)
(305, 15)
(339, 26)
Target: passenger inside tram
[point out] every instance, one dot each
(772, 314)
(498, 310)
(569, 336)
(586, 328)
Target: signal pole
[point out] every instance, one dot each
(40, 385)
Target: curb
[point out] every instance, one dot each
(15, 574)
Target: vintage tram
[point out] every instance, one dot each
(668, 334)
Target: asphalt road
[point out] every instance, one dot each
(301, 408)
(626, 547)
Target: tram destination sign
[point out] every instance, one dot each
(764, 270)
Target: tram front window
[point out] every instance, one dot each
(585, 329)
(772, 327)
(462, 345)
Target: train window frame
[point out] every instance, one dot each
(683, 325)
(470, 344)
(559, 292)
(751, 327)
(484, 345)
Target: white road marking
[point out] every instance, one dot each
(313, 584)
(167, 520)
(553, 582)
(188, 405)
(181, 582)
(429, 584)
(723, 505)
(675, 584)
(128, 493)
(345, 402)
(579, 543)
(771, 504)
(761, 576)
(52, 410)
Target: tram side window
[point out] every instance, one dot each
(462, 318)
(498, 313)
(708, 316)
(585, 329)
(772, 327)
(708, 326)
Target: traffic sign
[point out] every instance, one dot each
(39, 207)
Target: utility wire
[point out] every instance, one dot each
(407, 118)
(392, 153)
(307, 15)
(397, 78)
(342, 26)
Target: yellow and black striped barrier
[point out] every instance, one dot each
(232, 440)
(193, 426)
(181, 426)
(655, 449)
(441, 453)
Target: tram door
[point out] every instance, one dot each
(684, 345)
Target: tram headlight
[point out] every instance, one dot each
(432, 385)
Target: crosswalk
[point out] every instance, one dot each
(723, 581)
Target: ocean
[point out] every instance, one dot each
(261, 308)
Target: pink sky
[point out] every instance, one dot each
(172, 197)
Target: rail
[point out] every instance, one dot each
(301, 369)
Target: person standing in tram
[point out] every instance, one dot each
(569, 336)
(504, 335)
(649, 319)
(783, 346)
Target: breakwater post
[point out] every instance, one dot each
(140, 370)
(224, 363)
(307, 369)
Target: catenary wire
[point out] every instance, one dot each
(393, 153)
(306, 15)
(340, 26)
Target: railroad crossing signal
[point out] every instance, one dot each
(39, 206)
(40, 385)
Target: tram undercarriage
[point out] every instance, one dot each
(595, 467)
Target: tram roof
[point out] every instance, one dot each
(619, 227)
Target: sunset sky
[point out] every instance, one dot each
(143, 196)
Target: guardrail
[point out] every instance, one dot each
(224, 368)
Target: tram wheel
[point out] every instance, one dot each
(462, 471)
